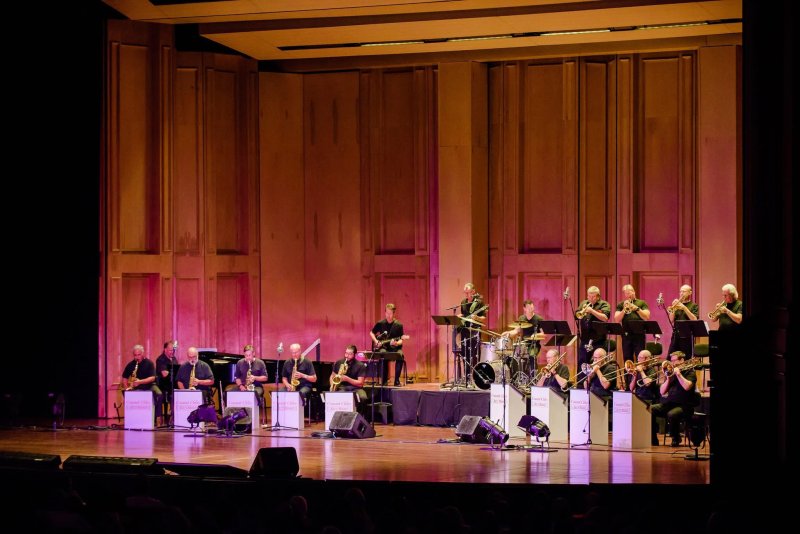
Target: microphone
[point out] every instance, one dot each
(175, 344)
(566, 293)
(280, 347)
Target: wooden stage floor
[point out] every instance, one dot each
(398, 453)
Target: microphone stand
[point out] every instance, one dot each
(277, 422)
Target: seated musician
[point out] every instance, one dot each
(387, 336)
(195, 374)
(643, 381)
(298, 372)
(351, 374)
(678, 396)
(555, 375)
(140, 375)
(250, 373)
(165, 363)
(603, 374)
(532, 345)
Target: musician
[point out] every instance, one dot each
(165, 362)
(145, 379)
(355, 375)
(638, 311)
(387, 336)
(603, 376)
(257, 369)
(472, 307)
(683, 309)
(554, 375)
(596, 310)
(678, 398)
(203, 376)
(732, 312)
(643, 382)
(533, 345)
(301, 368)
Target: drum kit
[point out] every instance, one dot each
(504, 361)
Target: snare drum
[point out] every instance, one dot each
(503, 345)
(487, 351)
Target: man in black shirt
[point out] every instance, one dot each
(631, 309)
(352, 377)
(250, 373)
(679, 397)
(731, 313)
(589, 311)
(643, 381)
(531, 344)
(299, 368)
(603, 376)
(387, 336)
(472, 307)
(165, 362)
(555, 375)
(683, 309)
(140, 375)
(195, 374)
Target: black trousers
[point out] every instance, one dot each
(674, 413)
(632, 345)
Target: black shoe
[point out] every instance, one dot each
(397, 384)
(676, 442)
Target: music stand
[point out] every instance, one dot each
(449, 321)
(692, 329)
(383, 357)
(560, 331)
(604, 329)
(643, 327)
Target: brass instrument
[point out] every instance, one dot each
(547, 369)
(676, 305)
(192, 378)
(133, 378)
(718, 310)
(669, 368)
(630, 368)
(586, 368)
(295, 381)
(336, 379)
(580, 314)
(249, 380)
(628, 307)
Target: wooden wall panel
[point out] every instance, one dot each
(188, 164)
(403, 290)
(648, 286)
(234, 325)
(190, 324)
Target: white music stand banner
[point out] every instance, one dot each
(139, 410)
(551, 408)
(631, 422)
(507, 406)
(582, 404)
(291, 409)
(245, 399)
(186, 401)
(337, 401)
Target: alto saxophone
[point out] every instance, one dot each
(337, 378)
(192, 379)
(132, 378)
(249, 379)
(295, 381)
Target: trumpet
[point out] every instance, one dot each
(718, 310)
(669, 368)
(676, 305)
(548, 368)
(580, 314)
(628, 307)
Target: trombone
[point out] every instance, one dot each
(714, 315)
(586, 368)
(669, 368)
(630, 368)
(547, 369)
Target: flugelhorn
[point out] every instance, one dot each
(713, 315)
(628, 307)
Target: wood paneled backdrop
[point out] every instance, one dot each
(270, 207)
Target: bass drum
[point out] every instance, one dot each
(488, 373)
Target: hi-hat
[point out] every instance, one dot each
(472, 321)
(536, 337)
(519, 325)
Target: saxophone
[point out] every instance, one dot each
(132, 378)
(295, 381)
(192, 379)
(249, 379)
(337, 378)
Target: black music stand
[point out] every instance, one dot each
(604, 329)
(643, 327)
(562, 335)
(448, 321)
(691, 329)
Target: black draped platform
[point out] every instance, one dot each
(434, 408)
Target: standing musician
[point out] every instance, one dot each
(682, 309)
(555, 375)
(300, 370)
(679, 397)
(472, 307)
(165, 363)
(387, 336)
(352, 377)
(533, 345)
(631, 309)
(250, 373)
(195, 374)
(729, 312)
(643, 381)
(144, 377)
(591, 310)
(603, 376)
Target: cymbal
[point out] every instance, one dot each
(519, 325)
(536, 337)
(471, 320)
